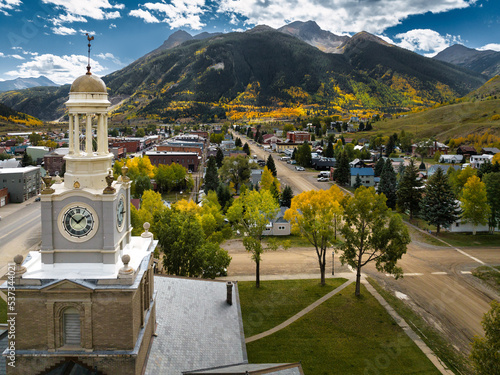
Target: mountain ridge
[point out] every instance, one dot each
(24, 83)
(485, 62)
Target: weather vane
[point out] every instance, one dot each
(89, 38)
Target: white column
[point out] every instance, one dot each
(99, 135)
(71, 134)
(105, 132)
(88, 135)
(76, 138)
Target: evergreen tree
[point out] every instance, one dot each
(271, 166)
(224, 196)
(294, 154)
(357, 183)
(246, 148)
(275, 192)
(438, 207)
(368, 126)
(379, 166)
(492, 182)
(237, 142)
(26, 160)
(388, 184)
(409, 193)
(286, 197)
(342, 174)
(211, 175)
(219, 157)
(303, 155)
(390, 146)
(329, 152)
(422, 166)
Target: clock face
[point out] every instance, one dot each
(78, 222)
(120, 213)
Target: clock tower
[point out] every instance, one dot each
(85, 302)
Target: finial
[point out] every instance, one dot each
(146, 233)
(126, 272)
(109, 180)
(89, 38)
(19, 268)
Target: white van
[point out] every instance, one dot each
(285, 158)
(324, 174)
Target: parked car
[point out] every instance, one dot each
(37, 199)
(323, 179)
(299, 168)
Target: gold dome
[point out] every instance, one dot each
(88, 83)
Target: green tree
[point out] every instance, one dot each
(211, 175)
(390, 146)
(286, 196)
(303, 155)
(485, 354)
(379, 165)
(315, 215)
(219, 157)
(409, 191)
(475, 203)
(235, 169)
(180, 237)
(140, 132)
(357, 182)
(459, 178)
(388, 184)
(251, 212)
(224, 196)
(214, 260)
(342, 174)
(329, 152)
(492, 182)
(246, 148)
(372, 233)
(26, 160)
(140, 185)
(271, 166)
(35, 138)
(237, 142)
(438, 207)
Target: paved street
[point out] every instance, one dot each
(20, 230)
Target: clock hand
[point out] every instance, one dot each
(78, 221)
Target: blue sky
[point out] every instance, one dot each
(47, 37)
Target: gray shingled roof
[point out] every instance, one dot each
(196, 327)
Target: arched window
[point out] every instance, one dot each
(71, 327)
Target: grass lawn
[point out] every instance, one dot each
(444, 350)
(344, 335)
(276, 301)
(3, 311)
(469, 240)
(489, 276)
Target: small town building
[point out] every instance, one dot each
(53, 162)
(477, 160)
(433, 168)
(466, 151)
(367, 176)
(22, 183)
(298, 137)
(4, 197)
(432, 148)
(175, 147)
(189, 160)
(279, 226)
(37, 153)
(453, 159)
(489, 151)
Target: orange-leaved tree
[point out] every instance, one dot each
(316, 215)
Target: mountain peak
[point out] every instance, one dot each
(260, 28)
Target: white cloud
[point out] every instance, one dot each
(18, 57)
(110, 57)
(491, 46)
(2, 54)
(8, 5)
(337, 16)
(84, 32)
(63, 30)
(426, 40)
(80, 10)
(144, 14)
(112, 26)
(177, 13)
(60, 69)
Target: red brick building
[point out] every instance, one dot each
(179, 148)
(189, 160)
(298, 137)
(130, 146)
(4, 197)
